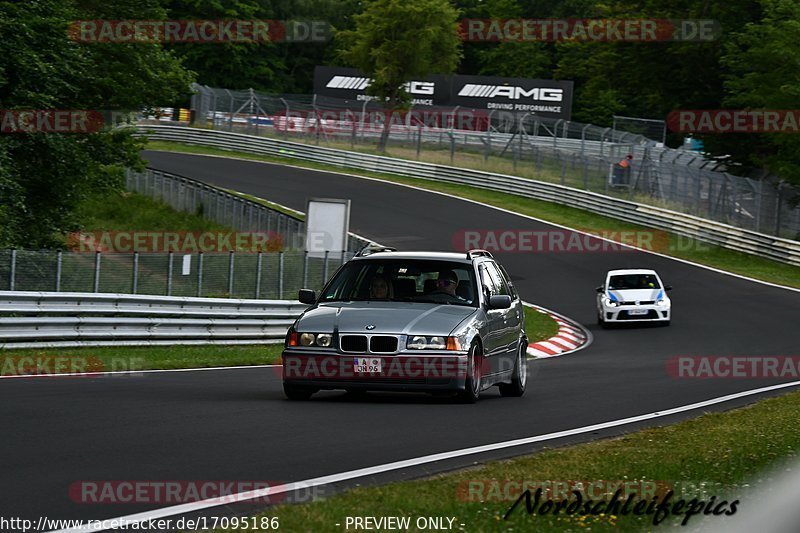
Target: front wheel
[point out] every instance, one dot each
(519, 379)
(472, 385)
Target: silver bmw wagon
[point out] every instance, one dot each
(410, 321)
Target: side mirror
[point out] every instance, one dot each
(500, 301)
(307, 296)
(600, 288)
(667, 287)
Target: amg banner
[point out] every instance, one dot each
(546, 98)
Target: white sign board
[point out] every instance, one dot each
(327, 222)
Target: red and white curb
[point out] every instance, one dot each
(570, 338)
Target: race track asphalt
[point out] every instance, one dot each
(236, 425)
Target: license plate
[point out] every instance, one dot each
(638, 312)
(367, 365)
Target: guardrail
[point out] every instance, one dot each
(717, 233)
(58, 319)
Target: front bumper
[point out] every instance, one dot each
(407, 372)
(622, 313)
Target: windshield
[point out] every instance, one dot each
(634, 281)
(401, 280)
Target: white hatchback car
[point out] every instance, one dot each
(633, 295)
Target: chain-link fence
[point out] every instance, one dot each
(609, 161)
(274, 267)
(285, 231)
(276, 275)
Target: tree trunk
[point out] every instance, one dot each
(387, 129)
(391, 105)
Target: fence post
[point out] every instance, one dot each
(199, 274)
(760, 198)
(170, 257)
(135, 282)
(13, 274)
(778, 202)
(280, 275)
(58, 271)
(97, 272)
(305, 269)
(230, 273)
(325, 269)
(258, 275)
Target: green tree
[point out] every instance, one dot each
(229, 65)
(44, 176)
(395, 41)
(764, 73)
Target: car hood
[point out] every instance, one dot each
(387, 317)
(635, 295)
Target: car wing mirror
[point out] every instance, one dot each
(600, 288)
(500, 301)
(307, 296)
(667, 287)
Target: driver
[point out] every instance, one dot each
(447, 282)
(379, 288)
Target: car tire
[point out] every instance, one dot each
(472, 384)
(602, 323)
(519, 378)
(297, 394)
(666, 323)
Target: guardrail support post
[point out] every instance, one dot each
(96, 287)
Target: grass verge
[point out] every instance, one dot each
(127, 211)
(539, 326)
(673, 245)
(720, 453)
(73, 360)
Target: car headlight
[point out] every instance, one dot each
(436, 342)
(662, 302)
(611, 303)
(316, 339)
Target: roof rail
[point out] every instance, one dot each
(478, 253)
(373, 248)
